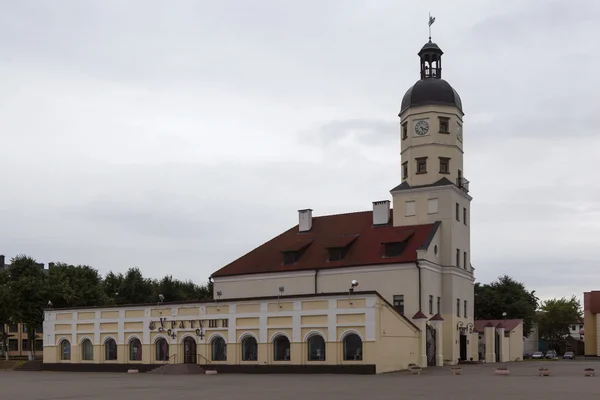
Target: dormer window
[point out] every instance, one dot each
(337, 251)
(290, 257)
(444, 124)
(292, 253)
(394, 249)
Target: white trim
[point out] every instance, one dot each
(349, 332)
(187, 335)
(83, 338)
(160, 336)
(368, 269)
(106, 339)
(244, 335)
(432, 189)
(216, 334)
(60, 339)
(130, 337)
(314, 333)
(261, 276)
(279, 333)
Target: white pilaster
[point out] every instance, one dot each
(490, 344)
(439, 343)
(501, 350)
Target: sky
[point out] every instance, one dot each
(177, 136)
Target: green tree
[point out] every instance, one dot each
(509, 296)
(75, 286)
(555, 318)
(6, 309)
(135, 289)
(27, 285)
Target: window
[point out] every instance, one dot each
(404, 130)
(444, 124)
(162, 350)
(316, 348)
(439, 303)
(465, 309)
(110, 350)
(13, 328)
(458, 257)
(39, 329)
(410, 208)
(465, 216)
(65, 350)
(218, 349)
(23, 328)
(336, 253)
(135, 350)
(430, 304)
(393, 249)
(572, 327)
(39, 345)
(432, 206)
(281, 348)
(421, 165)
(13, 344)
(444, 165)
(458, 307)
(249, 349)
(399, 303)
(352, 347)
(457, 212)
(405, 170)
(290, 257)
(24, 345)
(87, 350)
(465, 263)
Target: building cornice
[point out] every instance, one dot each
(431, 189)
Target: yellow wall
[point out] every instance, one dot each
(590, 337)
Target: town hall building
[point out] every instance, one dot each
(366, 292)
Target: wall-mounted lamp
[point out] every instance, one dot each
(281, 290)
(219, 294)
(353, 284)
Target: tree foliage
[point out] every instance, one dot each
(556, 316)
(509, 296)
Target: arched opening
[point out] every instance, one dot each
(65, 350)
(189, 350)
(110, 350)
(281, 348)
(135, 350)
(249, 349)
(87, 350)
(316, 348)
(162, 350)
(218, 349)
(353, 350)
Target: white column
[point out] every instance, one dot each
(439, 343)
(490, 344)
(420, 320)
(501, 350)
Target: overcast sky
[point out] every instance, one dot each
(178, 135)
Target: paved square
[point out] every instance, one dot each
(476, 382)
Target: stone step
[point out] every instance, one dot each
(178, 369)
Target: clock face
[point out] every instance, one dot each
(421, 127)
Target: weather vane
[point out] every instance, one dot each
(431, 21)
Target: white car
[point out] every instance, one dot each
(537, 354)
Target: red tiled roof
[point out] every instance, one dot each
(436, 317)
(342, 241)
(365, 248)
(508, 324)
(419, 315)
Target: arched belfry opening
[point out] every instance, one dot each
(431, 61)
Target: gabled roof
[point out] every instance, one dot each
(364, 249)
(508, 324)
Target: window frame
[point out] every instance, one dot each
(396, 300)
(87, 350)
(277, 348)
(310, 345)
(430, 304)
(246, 342)
(458, 308)
(444, 161)
(107, 350)
(421, 162)
(444, 122)
(405, 170)
(358, 352)
(458, 258)
(404, 129)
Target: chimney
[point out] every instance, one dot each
(2, 261)
(305, 220)
(381, 212)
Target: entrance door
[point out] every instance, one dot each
(430, 345)
(463, 347)
(189, 350)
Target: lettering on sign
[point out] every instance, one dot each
(187, 324)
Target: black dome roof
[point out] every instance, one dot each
(431, 91)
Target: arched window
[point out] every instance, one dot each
(219, 349)
(352, 347)
(162, 350)
(65, 350)
(316, 348)
(281, 348)
(87, 350)
(249, 349)
(110, 350)
(135, 350)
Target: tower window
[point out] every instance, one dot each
(465, 260)
(458, 307)
(465, 309)
(399, 303)
(421, 165)
(465, 216)
(430, 304)
(439, 304)
(444, 165)
(404, 130)
(457, 212)
(444, 124)
(405, 170)
(458, 258)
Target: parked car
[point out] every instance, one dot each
(538, 355)
(551, 354)
(569, 355)
(527, 355)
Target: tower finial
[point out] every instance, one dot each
(431, 21)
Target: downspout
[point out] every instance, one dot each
(316, 286)
(420, 299)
